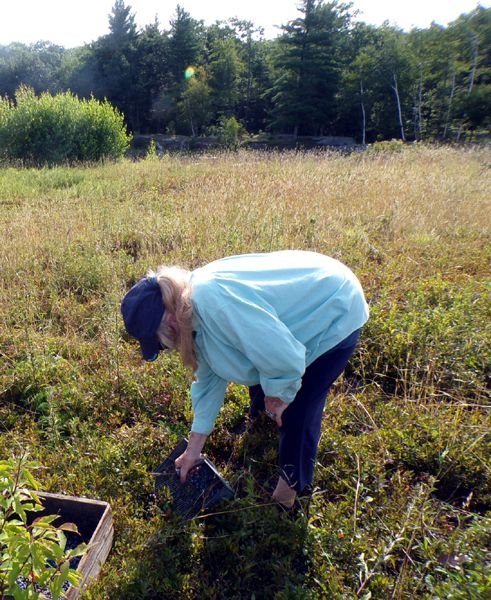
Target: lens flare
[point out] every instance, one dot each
(189, 73)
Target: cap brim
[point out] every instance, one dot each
(150, 348)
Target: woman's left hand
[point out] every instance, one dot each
(275, 407)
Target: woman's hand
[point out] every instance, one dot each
(191, 456)
(275, 407)
(185, 463)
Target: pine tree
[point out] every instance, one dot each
(122, 25)
(186, 42)
(309, 66)
(114, 56)
(152, 76)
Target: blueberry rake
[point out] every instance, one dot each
(203, 489)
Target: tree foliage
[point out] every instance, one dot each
(194, 106)
(185, 44)
(309, 65)
(323, 74)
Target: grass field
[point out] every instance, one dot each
(402, 503)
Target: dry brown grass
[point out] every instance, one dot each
(192, 209)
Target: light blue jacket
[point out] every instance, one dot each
(263, 318)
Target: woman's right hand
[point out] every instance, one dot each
(186, 462)
(192, 455)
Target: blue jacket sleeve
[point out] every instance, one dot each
(207, 395)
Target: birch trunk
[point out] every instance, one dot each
(449, 110)
(364, 121)
(398, 100)
(475, 47)
(419, 135)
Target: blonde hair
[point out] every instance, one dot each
(175, 286)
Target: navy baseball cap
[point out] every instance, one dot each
(142, 309)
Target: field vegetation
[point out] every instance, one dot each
(402, 500)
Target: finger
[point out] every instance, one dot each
(183, 474)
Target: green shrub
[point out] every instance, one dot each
(434, 341)
(152, 150)
(32, 554)
(386, 146)
(49, 129)
(229, 133)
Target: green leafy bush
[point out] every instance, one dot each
(434, 341)
(386, 146)
(229, 133)
(33, 555)
(49, 129)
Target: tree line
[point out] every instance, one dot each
(325, 74)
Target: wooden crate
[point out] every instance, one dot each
(95, 524)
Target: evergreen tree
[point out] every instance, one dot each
(114, 58)
(394, 73)
(309, 67)
(122, 25)
(152, 76)
(186, 42)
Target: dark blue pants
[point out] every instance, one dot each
(300, 432)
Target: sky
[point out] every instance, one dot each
(71, 23)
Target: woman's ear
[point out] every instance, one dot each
(171, 321)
